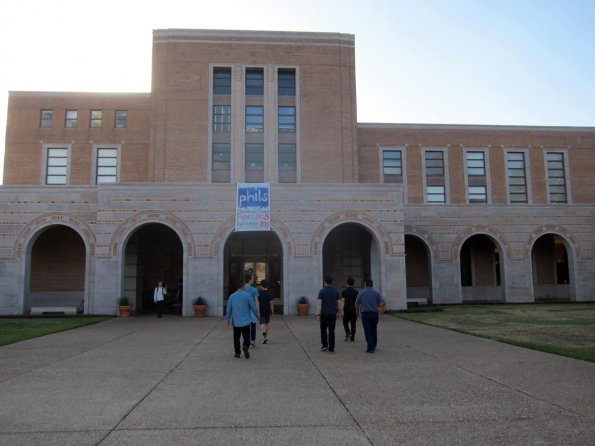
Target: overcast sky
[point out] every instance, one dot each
(517, 62)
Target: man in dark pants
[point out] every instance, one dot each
(349, 295)
(250, 289)
(367, 303)
(329, 305)
(241, 311)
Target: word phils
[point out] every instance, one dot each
(253, 197)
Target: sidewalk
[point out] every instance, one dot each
(174, 381)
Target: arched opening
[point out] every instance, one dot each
(154, 253)
(349, 250)
(551, 271)
(481, 270)
(418, 270)
(56, 270)
(258, 253)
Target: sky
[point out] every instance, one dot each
(486, 62)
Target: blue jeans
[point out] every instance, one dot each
(370, 323)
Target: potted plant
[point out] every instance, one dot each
(124, 306)
(200, 306)
(303, 305)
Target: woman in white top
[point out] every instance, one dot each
(159, 298)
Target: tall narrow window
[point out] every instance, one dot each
(221, 163)
(286, 119)
(476, 177)
(392, 168)
(254, 81)
(517, 177)
(107, 165)
(57, 165)
(286, 82)
(287, 163)
(254, 163)
(222, 81)
(556, 177)
(254, 118)
(121, 119)
(435, 179)
(71, 121)
(96, 118)
(221, 118)
(46, 119)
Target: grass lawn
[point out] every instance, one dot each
(562, 329)
(16, 329)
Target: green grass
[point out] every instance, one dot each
(562, 329)
(17, 329)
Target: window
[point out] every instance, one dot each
(556, 177)
(221, 118)
(286, 119)
(95, 119)
(435, 194)
(434, 163)
(222, 81)
(71, 121)
(475, 165)
(517, 177)
(46, 117)
(477, 194)
(57, 165)
(221, 163)
(254, 118)
(254, 81)
(107, 165)
(435, 183)
(287, 163)
(392, 167)
(121, 119)
(286, 82)
(254, 163)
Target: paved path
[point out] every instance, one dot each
(174, 381)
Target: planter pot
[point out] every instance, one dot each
(302, 309)
(124, 310)
(200, 310)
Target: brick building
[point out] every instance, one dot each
(105, 194)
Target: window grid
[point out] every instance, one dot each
(286, 119)
(107, 165)
(222, 81)
(434, 163)
(475, 163)
(286, 82)
(287, 158)
(221, 118)
(435, 194)
(254, 81)
(46, 117)
(517, 177)
(121, 120)
(221, 163)
(96, 118)
(71, 121)
(57, 165)
(254, 157)
(556, 177)
(254, 119)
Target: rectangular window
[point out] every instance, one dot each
(222, 81)
(221, 118)
(71, 121)
(221, 163)
(435, 194)
(46, 118)
(477, 194)
(286, 82)
(517, 177)
(57, 165)
(287, 163)
(392, 167)
(254, 163)
(121, 119)
(254, 119)
(286, 119)
(95, 119)
(556, 176)
(475, 163)
(107, 165)
(254, 81)
(434, 163)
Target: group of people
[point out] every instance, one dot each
(248, 305)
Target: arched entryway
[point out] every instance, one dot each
(551, 269)
(153, 253)
(481, 270)
(258, 253)
(349, 250)
(418, 270)
(56, 269)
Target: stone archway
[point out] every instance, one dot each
(551, 269)
(481, 270)
(418, 266)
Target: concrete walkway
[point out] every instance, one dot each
(174, 381)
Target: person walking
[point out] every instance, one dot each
(249, 281)
(349, 295)
(240, 312)
(265, 308)
(159, 298)
(367, 302)
(329, 305)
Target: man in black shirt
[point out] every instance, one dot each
(349, 295)
(265, 308)
(329, 305)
